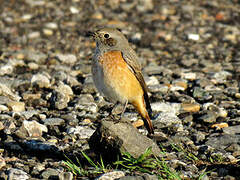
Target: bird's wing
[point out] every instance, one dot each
(131, 59)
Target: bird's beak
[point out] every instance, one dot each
(91, 34)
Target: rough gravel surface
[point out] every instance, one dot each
(190, 54)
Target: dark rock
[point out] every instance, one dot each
(112, 138)
(218, 141)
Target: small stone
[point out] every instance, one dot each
(26, 17)
(40, 147)
(97, 15)
(1, 125)
(52, 141)
(209, 117)
(16, 106)
(33, 66)
(41, 80)
(34, 35)
(166, 107)
(6, 91)
(138, 123)
(201, 94)
(145, 5)
(89, 107)
(233, 148)
(222, 141)
(65, 176)
(74, 10)
(42, 116)
(178, 85)
(222, 76)
(237, 95)
(87, 121)
(112, 175)
(2, 162)
(47, 32)
(194, 37)
(236, 153)
(189, 76)
(67, 58)
(158, 88)
(152, 80)
(190, 107)
(49, 172)
(3, 108)
(27, 96)
(232, 129)
(166, 119)
(34, 128)
(51, 25)
(199, 136)
(16, 174)
(20, 56)
(61, 96)
(82, 131)
(132, 116)
(6, 69)
(9, 127)
(53, 121)
(219, 126)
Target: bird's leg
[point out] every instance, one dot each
(113, 107)
(124, 109)
(122, 112)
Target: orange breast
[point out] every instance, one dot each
(119, 77)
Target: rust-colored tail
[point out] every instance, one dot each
(141, 108)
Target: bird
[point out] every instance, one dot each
(117, 73)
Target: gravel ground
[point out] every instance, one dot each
(190, 53)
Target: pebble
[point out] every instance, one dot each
(166, 119)
(65, 176)
(173, 108)
(2, 162)
(190, 107)
(1, 126)
(222, 76)
(74, 10)
(33, 66)
(34, 35)
(6, 91)
(82, 131)
(53, 121)
(34, 128)
(16, 106)
(49, 173)
(17, 174)
(189, 76)
(3, 108)
(67, 58)
(151, 81)
(232, 129)
(194, 37)
(112, 175)
(178, 85)
(41, 80)
(209, 117)
(51, 25)
(47, 32)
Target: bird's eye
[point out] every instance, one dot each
(106, 36)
